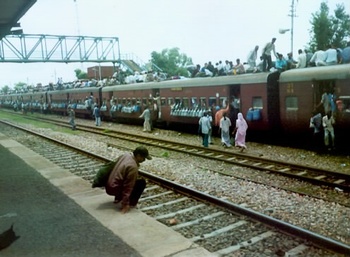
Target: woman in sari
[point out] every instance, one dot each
(241, 130)
(225, 124)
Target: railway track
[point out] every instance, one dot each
(216, 224)
(309, 174)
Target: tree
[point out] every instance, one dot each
(5, 89)
(171, 61)
(329, 30)
(341, 24)
(20, 87)
(80, 74)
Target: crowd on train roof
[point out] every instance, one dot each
(305, 58)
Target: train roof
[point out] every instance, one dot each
(194, 82)
(87, 90)
(340, 71)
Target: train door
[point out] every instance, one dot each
(157, 105)
(273, 103)
(321, 90)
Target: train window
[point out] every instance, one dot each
(291, 103)
(257, 103)
(162, 101)
(223, 102)
(212, 101)
(194, 103)
(343, 104)
(203, 103)
(185, 102)
(144, 101)
(170, 101)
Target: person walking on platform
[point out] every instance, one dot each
(123, 182)
(71, 115)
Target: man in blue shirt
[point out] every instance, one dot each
(346, 53)
(281, 63)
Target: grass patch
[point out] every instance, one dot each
(26, 119)
(165, 154)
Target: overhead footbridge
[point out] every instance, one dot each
(29, 48)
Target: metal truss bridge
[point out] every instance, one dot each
(29, 48)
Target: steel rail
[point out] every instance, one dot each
(306, 173)
(281, 226)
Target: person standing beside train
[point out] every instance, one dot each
(266, 54)
(225, 124)
(146, 115)
(327, 122)
(241, 131)
(97, 114)
(316, 125)
(71, 115)
(210, 117)
(205, 127)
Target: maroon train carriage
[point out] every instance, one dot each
(269, 101)
(38, 101)
(6, 101)
(182, 102)
(81, 99)
(301, 91)
(125, 103)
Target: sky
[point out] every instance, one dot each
(204, 30)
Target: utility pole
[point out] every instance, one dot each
(292, 15)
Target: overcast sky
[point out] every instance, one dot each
(204, 30)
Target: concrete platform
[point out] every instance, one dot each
(56, 213)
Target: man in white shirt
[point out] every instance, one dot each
(318, 58)
(252, 58)
(266, 54)
(301, 59)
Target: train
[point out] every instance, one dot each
(274, 102)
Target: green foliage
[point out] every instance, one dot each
(171, 61)
(80, 74)
(20, 85)
(5, 89)
(328, 29)
(165, 154)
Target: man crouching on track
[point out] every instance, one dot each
(123, 182)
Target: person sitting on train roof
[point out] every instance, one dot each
(318, 58)
(346, 53)
(210, 67)
(195, 71)
(228, 68)
(330, 56)
(308, 57)
(291, 63)
(238, 68)
(281, 63)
